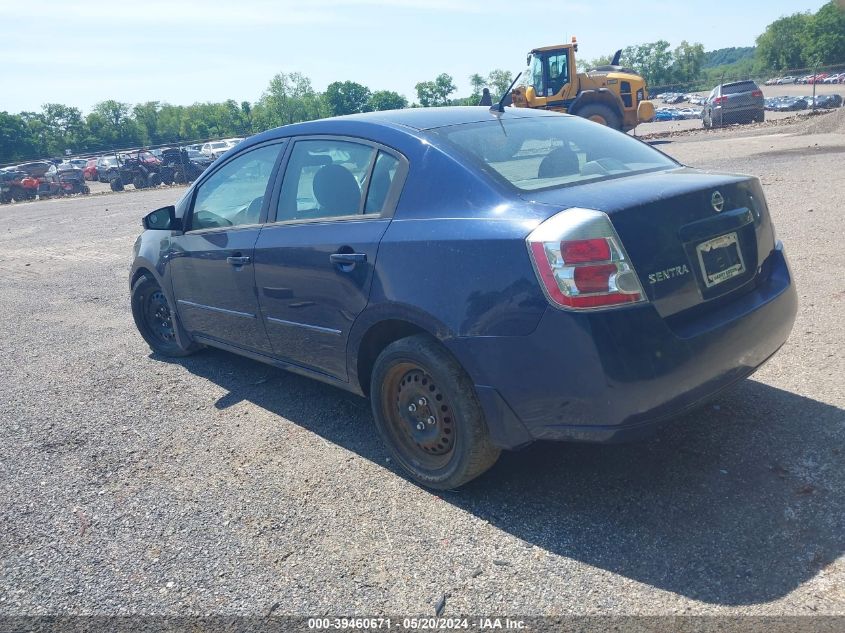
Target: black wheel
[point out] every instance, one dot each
(427, 413)
(179, 177)
(154, 319)
(86, 190)
(139, 181)
(116, 184)
(166, 175)
(602, 114)
(154, 180)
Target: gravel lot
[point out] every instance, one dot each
(135, 485)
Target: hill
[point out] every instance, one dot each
(725, 56)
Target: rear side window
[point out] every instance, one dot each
(552, 151)
(743, 86)
(324, 179)
(383, 174)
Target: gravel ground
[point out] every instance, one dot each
(135, 485)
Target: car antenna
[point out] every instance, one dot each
(500, 107)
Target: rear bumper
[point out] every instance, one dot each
(737, 113)
(617, 375)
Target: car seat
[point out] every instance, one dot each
(559, 162)
(336, 190)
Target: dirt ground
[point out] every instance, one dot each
(134, 484)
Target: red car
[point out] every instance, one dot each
(90, 169)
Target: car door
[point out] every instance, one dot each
(211, 266)
(314, 264)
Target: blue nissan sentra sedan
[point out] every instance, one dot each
(486, 278)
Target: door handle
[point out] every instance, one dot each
(237, 260)
(348, 258)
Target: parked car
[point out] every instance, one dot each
(787, 104)
(828, 101)
(486, 278)
(107, 168)
(90, 169)
(215, 149)
(735, 102)
(786, 80)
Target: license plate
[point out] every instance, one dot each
(720, 259)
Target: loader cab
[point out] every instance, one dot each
(550, 72)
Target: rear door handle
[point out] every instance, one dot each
(238, 260)
(348, 258)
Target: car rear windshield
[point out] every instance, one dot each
(553, 151)
(742, 86)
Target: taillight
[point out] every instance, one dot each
(757, 93)
(720, 100)
(581, 262)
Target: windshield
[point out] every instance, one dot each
(553, 151)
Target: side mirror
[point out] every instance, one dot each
(163, 219)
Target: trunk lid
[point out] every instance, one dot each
(686, 253)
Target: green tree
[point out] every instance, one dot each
(387, 100)
(347, 97)
(781, 45)
(110, 125)
(824, 36)
(63, 126)
(499, 81)
(687, 61)
(478, 83)
(146, 117)
(289, 98)
(435, 93)
(16, 142)
(602, 60)
(652, 60)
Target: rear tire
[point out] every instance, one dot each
(116, 184)
(602, 114)
(428, 415)
(139, 181)
(155, 320)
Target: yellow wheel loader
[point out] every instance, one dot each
(610, 95)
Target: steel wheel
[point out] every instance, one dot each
(427, 412)
(419, 416)
(157, 317)
(156, 323)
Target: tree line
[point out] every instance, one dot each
(799, 40)
(289, 98)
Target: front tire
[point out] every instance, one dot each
(602, 114)
(428, 415)
(155, 320)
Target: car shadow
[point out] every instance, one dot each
(737, 503)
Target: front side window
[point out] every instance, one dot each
(233, 195)
(558, 73)
(536, 71)
(324, 179)
(552, 151)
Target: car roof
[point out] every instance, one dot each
(429, 118)
(417, 119)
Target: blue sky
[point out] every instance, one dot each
(185, 51)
